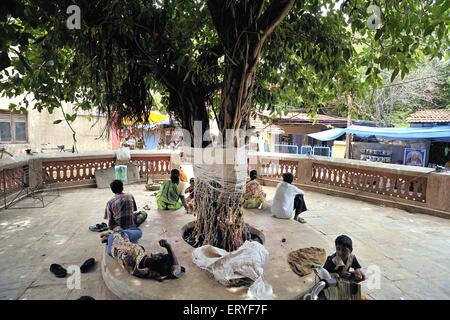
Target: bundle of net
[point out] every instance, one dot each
(220, 177)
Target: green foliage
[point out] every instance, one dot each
(128, 50)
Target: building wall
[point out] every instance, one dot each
(338, 150)
(300, 136)
(41, 130)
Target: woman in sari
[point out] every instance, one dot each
(170, 196)
(254, 196)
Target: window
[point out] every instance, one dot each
(13, 127)
(5, 131)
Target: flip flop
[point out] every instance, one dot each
(58, 270)
(178, 271)
(87, 265)
(99, 227)
(141, 217)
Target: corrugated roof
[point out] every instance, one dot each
(440, 133)
(429, 116)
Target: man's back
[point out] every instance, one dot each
(283, 201)
(119, 211)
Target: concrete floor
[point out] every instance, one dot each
(411, 250)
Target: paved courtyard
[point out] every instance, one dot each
(411, 250)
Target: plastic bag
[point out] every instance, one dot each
(123, 154)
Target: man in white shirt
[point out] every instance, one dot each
(287, 199)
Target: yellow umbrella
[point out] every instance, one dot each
(154, 117)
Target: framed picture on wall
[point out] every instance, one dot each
(414, 157)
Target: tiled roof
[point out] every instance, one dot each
(303, 118)
(429, 116)
(261, 126)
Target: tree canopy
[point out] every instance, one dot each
(307, 53)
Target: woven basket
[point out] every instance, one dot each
(152, 187)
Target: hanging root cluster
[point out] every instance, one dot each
(218, 206)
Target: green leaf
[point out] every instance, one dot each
(71, 117)
(57, 121)
(378, 34)
(346, 53)
(4, 61)
(428, 31)
(394, 74)
(414, 47)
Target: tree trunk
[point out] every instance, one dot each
(242, 28)
(218, 199)
(348, 138)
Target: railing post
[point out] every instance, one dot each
(438, 191)
(35, 173)
(304, 171)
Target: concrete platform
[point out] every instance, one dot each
(198, 284)
(411, 250)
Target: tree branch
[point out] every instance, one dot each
(221, 15)
(270, 19)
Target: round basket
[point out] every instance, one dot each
(152, 187)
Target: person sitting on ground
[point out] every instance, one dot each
(183, 176)
(190, 198)
(340, 262)
(288, 198)
(122, 245)
(121, 210)
(254, 195)
(170, 195)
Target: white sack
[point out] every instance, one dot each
(247, 261)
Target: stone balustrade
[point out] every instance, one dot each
(414, 189)
(67, 170)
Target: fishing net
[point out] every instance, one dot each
(220, 177)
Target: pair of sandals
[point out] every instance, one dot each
(99, 227)
(60, 272)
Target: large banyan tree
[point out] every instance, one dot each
(217, 58)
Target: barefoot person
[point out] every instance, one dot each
(121, 209)
(171, 197)
(191, 197)
(343, 263)
(288, 201)
(132, 257)
(254, 195)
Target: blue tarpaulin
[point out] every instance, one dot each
(440, 133)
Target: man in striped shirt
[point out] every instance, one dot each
(120, 210)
